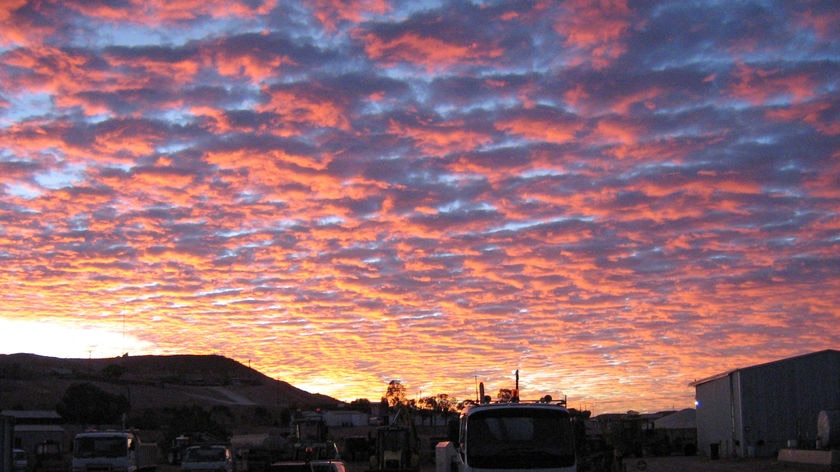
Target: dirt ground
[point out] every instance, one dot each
(657, 464)
(702, 464)
(653, 464)
(692, 464)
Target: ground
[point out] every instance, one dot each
(658, 464)
(702, 464)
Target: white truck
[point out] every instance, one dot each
(208, 458)
(112, 451)
(510, 436)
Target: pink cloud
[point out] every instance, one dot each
(759, 86)
(433, 54)
(596, 29)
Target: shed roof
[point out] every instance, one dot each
(778, 361)
(31, 414)
(683, 419)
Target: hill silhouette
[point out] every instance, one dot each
(33, 382)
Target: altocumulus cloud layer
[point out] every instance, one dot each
(614, 197)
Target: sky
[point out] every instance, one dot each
(616, 198)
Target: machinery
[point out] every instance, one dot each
(397, 446)
(309, 438)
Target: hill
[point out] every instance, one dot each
(32, 382)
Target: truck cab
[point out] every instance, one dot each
(207, 458)
(112, 451)
(527, 437)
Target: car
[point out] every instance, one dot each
(311, 466)
(328, 466)
(290, 466)
(20, 461)
(207, 458)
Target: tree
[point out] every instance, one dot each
(427, 403)
(445, 403)
(505, 395)
(395, 395)
(194, 419)
(361, 404)
(87, 403)
(440, 405)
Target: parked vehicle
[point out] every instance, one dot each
(20, 461)
(112, 451)
(207, 458)
(328, 466)
(309, 438)
(49, 458)
(511, 436)
(308, 466)
(290, 466)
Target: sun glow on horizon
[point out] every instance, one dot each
(65, 340)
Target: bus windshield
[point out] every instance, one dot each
(520, 438)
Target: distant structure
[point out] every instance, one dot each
(33, 427)
(679, 430)
(756, 411)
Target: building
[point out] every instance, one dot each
(679, 431)
(33, 427)
(37, 432)
(755, 411)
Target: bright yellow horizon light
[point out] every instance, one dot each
(65, 340)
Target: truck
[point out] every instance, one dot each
(310, 440)
(208, 458)
(112, 451)
(511, 436)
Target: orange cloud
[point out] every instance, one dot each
(817, 114)
(442, 138)
(160, 12)
(550, 128)
(595, 28)
(298, 109)
(824, 23)
(14, 32)
(759, 86)
(431, 53)
(330, 13)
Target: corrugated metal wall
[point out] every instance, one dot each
(757, 410)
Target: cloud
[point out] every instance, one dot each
(614, 198)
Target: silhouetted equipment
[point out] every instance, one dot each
(397, 445)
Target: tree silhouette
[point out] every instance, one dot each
(194, 420)
(87, 403)
(361, 404)
(395, 395)
(505, 395)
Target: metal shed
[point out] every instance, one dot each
(755, 411)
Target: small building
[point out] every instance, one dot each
(33, 427)
(679, 431)
(345, 418)
(758, 410)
